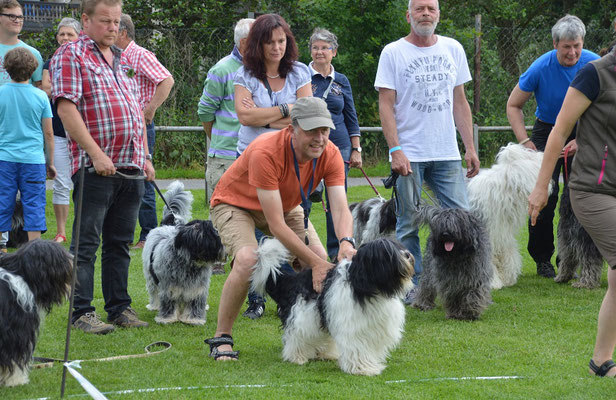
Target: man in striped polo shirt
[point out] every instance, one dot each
(217, 109)
(155, 83)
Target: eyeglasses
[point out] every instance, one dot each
(323, 49)
(14, 17)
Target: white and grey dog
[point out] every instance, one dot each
(177, 261)
(373, 218)
(357, 319)
(500, 195)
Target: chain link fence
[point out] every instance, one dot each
(504, 53)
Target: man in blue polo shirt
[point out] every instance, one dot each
(548, 78)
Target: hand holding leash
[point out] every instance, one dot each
(103, 165)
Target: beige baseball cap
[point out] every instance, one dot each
(311, 113)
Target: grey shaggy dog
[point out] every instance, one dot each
(576, 249)
(457, 263)
(177, 262)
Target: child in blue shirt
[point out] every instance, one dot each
(26, 144)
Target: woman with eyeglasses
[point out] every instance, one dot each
(270, 81)
(335, 89)
(68, 31)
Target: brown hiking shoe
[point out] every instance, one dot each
(91, 323)
(128, 319)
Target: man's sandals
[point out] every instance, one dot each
(603, 369)
(215, 342)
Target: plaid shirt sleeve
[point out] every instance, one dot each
(66, 75)
(151, 68)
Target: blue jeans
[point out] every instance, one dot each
(332, 240)
(147, 211)
(110, 208)
(446, 179)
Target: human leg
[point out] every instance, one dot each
(597, 214)
(216, 167)
(147, 209)
(62, 185)
(541, 235)
(32, 188)
(236, 228)
(97, 195)
(118, 229)
(409, 192)
(446, 179)
(8, 193)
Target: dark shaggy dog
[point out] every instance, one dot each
(17, 235)
(373, 218)
(177, 262)
(576, 248)
(357, 319)
(457, 263)
(32, 280)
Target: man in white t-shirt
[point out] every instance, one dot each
(420, 80)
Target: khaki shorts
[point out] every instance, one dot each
(236, 226)
(597, 214)
(216, 166)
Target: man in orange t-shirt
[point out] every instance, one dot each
(261, 190)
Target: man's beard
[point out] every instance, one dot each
(423, 30)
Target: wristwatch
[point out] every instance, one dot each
(357, 149)
(148, 157)
(348, 239)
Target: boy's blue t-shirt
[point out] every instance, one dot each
(549, 81)
(22, 109)
(38, 73)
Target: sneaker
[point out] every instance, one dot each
(128, 319)
(409, 297)
(255, 310)
(139, 245)
(218, 269)
(3, 248)
(545, 269)
(91, 323)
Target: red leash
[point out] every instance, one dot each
(368, 179)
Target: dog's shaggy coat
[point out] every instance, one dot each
(500, 196)
(32, 280)
(357, 319)
(456, 263)
(373, 218)
(576, 249)
(177, 262)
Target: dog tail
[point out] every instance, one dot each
(180, 201)
(271, 254)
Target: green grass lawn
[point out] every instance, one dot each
(539, 331)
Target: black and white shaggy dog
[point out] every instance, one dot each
(373, 218)
(32, 280)
(456, 263)
(17, 235)
(357, 319)
(576, 249)
(177, 262)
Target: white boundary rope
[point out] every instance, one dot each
(94, 393)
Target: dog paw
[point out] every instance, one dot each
(152, 307)
(584, 285)
(193, 321)
(423, 306)
(165, 321)
(562, 279)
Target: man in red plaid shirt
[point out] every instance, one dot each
(99, 107)
(155, 83)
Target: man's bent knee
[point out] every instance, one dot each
(244, 260)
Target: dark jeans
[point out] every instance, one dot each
(332, 240)
(147, 211)
(541, 236)
(110, 208)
